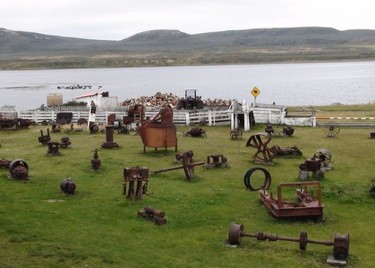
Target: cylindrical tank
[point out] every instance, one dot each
(54, 100)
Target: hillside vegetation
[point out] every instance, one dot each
(26, 50)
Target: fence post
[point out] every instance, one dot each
(210, 118)
(187, 118)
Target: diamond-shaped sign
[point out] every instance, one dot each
(255, 92)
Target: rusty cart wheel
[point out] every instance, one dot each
(260, 142)
(266, 183)
(331, 129)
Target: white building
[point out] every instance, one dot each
(101, 100)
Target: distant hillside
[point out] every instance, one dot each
(26, 50)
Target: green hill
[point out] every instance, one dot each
(25, 50)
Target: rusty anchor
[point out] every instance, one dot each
(340, 243)
(137, 178)
(187, 165)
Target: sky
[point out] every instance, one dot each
(119, 19)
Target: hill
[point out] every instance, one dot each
(172, 47)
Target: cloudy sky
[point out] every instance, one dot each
(118, 19)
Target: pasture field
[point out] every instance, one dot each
(99, 227)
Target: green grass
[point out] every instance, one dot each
(99, 227)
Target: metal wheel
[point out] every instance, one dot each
(331, 129)
(266, 183)
(263, 154)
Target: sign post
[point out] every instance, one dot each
(255, 92)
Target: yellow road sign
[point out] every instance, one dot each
(255, 92)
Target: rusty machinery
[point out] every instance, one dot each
(196, 132)
(109, 143)
(340, 242)
(260, 141)
(65, 142)
(137, 178)
(286, 151)
(306, 205)
(18, 168)
(95, 161)
(44, 139)
(67, 186)
(265, 154)
(15, 123)
(53, 148)
(236, 134)
(216, 160)
(151, 214)
(286, 131)
(318, 164)
(187, 165)
(331, 129)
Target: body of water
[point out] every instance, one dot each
(302, 84)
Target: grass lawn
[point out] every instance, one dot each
(99, 227)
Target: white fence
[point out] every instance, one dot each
(209, 117)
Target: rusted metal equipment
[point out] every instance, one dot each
(44, 139)
(325, 156)
(217, 160)
(137, 178)
(331, 129)
(15, 123)
(93, 128)
(151, 214)
(306, 205)
(67, 186)
(260, 141)
(109, 143)
(286, 131)
(269, 129)
(188, 166)
(196, 132)
(63, 118)
(190, 101)
(95, 161)
(53, 147)
(19, 170)
(317, 165)
(286, 151)
(340, 242)
(266, 181)
(136, 114)
(4, 163)
(158, 136)
(65, 142)
(236, 134)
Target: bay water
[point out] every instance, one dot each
(297, 84)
